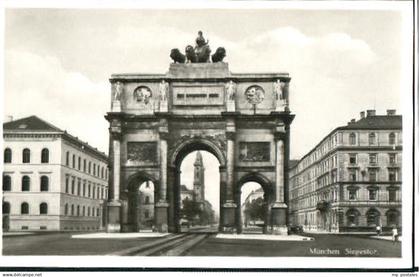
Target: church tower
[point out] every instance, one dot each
(199, 178)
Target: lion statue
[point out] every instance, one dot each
(219, 55)
(190, 54)
(177, 56)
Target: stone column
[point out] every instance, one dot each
(162, 205)
(114, 204)
(279, 208)
(229, 206)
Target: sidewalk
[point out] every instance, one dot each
(13, 234)
(385, 237)
(263, 237)
(119, 235)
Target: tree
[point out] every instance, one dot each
(190, 209)
(255, 210)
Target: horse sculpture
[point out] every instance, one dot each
(198, 54)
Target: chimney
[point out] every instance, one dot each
(371, 112)
(9, 118)
(362, 115)
(352, 120)
(391, 112)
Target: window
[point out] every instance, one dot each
(83, 211)
(372, 138)
(102, 172)
(79, 163)
(391, 138)
(45, 156)
(26, 155)
(352, 175)
(67, 158)
(372, 217)
(102, 193)
(97, 192)
(147, 200)
(84, 165)
(7, 155)
(392, 175)
(88, 211)
(392, 158)
(72, 185)
(44, 183)
(373, 193)
(392, 217)
(352, 193)
(43, 208)
(94, 169)
(372, 175)
(78, 210)
(72, 209)
(66, 209)
(352, 139)
(89, 190)
(6, 208)
(353, 158)
(373, 158)
(352, 217)
(24, 208)
(84, 187)
(73, 161)
(26, 182)
(392, 194)
(7, 183)
(146, 214)
(67, 184)
(89, 166)
(79, 186)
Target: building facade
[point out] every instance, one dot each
(51, 180)
(351, 181)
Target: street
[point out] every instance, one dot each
(199, 244)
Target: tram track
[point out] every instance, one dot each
(171, 245)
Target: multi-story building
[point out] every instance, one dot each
(146, 206)
(253, 195)
(51, 180)
(351, 180)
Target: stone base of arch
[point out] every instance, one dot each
(114, 217)
(161, 216)
(228, 219)
(278, 218)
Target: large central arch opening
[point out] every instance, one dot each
(199, 199)
(197, 191)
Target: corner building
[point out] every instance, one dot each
(51, 180)
(351, 181)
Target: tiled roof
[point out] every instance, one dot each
(292, 163)
(376, 122)
(36, 124)
(31, 123)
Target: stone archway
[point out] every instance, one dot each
(174, 175)
(267, 187)
(130, 207)
(242, 119)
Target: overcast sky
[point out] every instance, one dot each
(57, 62)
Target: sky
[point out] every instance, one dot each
(57, 62)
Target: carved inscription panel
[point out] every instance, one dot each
(254, 151)
(142, 152)
(198, 95)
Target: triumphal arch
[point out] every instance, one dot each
(157, 119)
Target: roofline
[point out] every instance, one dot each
(64, 135)
(346, 127)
